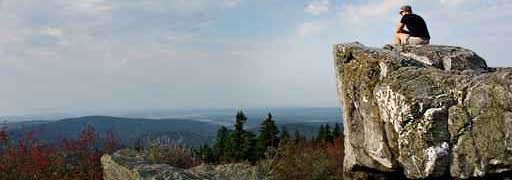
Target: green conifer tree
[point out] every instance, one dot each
(328, 134)
(236, 140)
(336, 132)
(321, 134)
(268, 136)
(269, 133)
(206, 154)
(249, 148)
(219, 148)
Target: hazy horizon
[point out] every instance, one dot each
(180, 113)
(121, 55)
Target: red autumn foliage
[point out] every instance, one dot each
(335, 151)
(309, 160)
(27, 159)
(3, 135)
(111, 142)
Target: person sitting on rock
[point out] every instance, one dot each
(416, 32)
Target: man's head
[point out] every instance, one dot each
(405, 9)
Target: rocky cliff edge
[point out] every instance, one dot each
(423, 112)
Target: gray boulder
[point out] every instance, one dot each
(128, 164)
(423, 111)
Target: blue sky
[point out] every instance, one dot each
(116, 55)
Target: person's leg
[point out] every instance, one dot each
(401, 38)
(417, 41)
(398, 38)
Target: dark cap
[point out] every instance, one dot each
(405, 8)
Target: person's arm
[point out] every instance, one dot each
(401, 25)
(400, 28)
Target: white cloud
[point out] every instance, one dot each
(93, 6)
(232, 3)
(9, 29)
(359, 12)
(453, 2)
(54, 32)
(183, 7)
(308, 28)
(317, 7)
(162, 52)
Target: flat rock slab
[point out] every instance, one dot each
(128, 164)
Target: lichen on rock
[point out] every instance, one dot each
(425, 111)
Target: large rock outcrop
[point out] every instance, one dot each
(131, 165)
(423, 112)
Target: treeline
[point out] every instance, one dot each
(283, 155)
(271, 149)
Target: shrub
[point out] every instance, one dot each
(173, 155)
(309, 161)
(29, 159)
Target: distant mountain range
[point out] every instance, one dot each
(220, 115)
(127, 129)
(194, 130)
